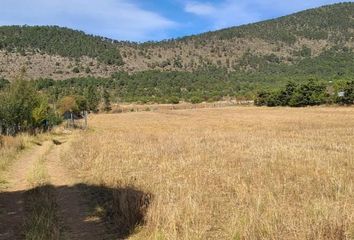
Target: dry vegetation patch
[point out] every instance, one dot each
(232, 173)
(10, 147)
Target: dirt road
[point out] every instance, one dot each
(73, 211)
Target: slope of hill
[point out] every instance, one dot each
(56, 52)
(58, 41)
(286, 40)
(313, 36)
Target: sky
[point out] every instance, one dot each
(147, 20)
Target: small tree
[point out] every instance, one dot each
(106, 101)
(92, 97)
(81, 102)
(310, 93)
(173, 100)
(285, 95)
(22, 99)
(76, 70)
(348, 94)
(40, 113)
(22, 108)
(196, 99)
(67, 104)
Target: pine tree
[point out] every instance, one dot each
(93, 98)
(106, 101)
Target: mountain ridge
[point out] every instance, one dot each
(61, 53)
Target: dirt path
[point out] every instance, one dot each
(11, 201)
(73, 209)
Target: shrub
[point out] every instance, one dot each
(76, 70)
(173, 100)
(196, 99)
(348, 97)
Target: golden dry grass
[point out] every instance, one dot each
(10, 147)
(232, 173)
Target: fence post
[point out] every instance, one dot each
(85, 119)
(72, 120)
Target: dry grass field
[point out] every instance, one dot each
(232, 173)
(10, 148)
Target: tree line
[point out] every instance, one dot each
(34, 106)
(23, 108)
(310, 93)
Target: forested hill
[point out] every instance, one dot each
(334, 23)
(55, 40)
(322, 37)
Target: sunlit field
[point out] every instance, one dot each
(230, 173)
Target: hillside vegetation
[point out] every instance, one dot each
(288, 39)
(58, 41)
(234, 62)
(333, 23)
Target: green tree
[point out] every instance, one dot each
(17, 105)
(93, 98)
(40, 112)
(173, 100)
(196, 99)
(81, 102)
(310, 93)
(106, 101)
(22, 99)
(285, 95)
(348, 94)
(67, 104)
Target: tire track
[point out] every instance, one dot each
(12, 199)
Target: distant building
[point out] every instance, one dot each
(341, 94)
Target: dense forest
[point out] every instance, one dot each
(55, 40)
(333, 22)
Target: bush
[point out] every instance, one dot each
(348, 97)
(173, 100)
(196, 99)
(3, 83)
(76, 70)
(309, 94)
(67, 104)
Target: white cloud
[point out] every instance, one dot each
(199, 8)
(119, 19)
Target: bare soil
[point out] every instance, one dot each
(11, 200)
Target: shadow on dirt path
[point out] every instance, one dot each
(112, 213)
(84, 211)
(12, 206)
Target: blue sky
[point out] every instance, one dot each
(142, 20)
